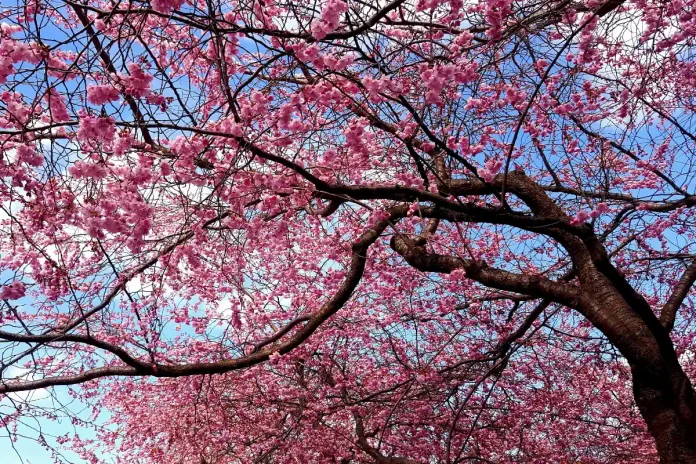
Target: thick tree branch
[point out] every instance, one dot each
(669, 311)
(335, 303)
(528, 284)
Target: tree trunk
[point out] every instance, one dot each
(667, 402)
(662, 391)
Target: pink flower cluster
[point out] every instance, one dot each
(99, 129)
(56, 103)
(496, 12)
(580, 218)
(438, 77)
(330, 18)
(81, 170)
(12, 52)
(16, 110)
(584, 216)
(121, 144)
(28, 155)
(102, 94)
(166, 6)
(138, 82)
(377, 86)
(490, 169)
(428, 4)
(13, 291)
(514, 96)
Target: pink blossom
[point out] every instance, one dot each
(580, 218)
(330, 18)
(167, 6)
(600, 209)
(490, 169)
(28, 154)
(137, 82)
(13, 291)
(99, 129)
(121, 144)
(295, 241)
(58, 108)
(102, 94)
(80, 169)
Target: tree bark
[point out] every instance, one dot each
(662, 391)
(667, 402)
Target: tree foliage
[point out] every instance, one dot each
(394, 231)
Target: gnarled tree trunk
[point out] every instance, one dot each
(668, 404)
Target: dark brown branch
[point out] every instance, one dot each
(681, 291)
(233, 28)
(533, 285)
(84, 339)
(335, 303)
(279, 334)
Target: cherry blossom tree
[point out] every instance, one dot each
(346, 231)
